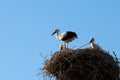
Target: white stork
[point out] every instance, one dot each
(66, 37)
(93, 45)
(91, 42)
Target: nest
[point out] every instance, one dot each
(82, 64)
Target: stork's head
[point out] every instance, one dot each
(92, 40)
(56, 31)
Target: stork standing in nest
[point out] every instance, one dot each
(93, 45)
(91, 42)
(66, 37)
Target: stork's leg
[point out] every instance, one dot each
(65, 45)
(66, 48)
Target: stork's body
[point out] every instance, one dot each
(66, 37)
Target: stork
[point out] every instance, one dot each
(93, 45)
(91, 42)
(66, 37)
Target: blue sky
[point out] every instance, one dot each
(26, 27)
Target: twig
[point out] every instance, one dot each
(115, 57)
(83, 45)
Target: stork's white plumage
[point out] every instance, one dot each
(66, 37)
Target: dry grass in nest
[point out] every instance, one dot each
(82, 64)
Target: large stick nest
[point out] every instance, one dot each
(82, 64)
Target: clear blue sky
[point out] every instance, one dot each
(26, 27)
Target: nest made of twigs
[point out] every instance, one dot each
(82, 64)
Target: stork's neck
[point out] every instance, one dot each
(92, 43)
(58, 36)
(57, 33)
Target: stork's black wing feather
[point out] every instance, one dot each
(68, 35)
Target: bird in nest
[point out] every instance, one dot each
(65, 37)
(93, 45)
